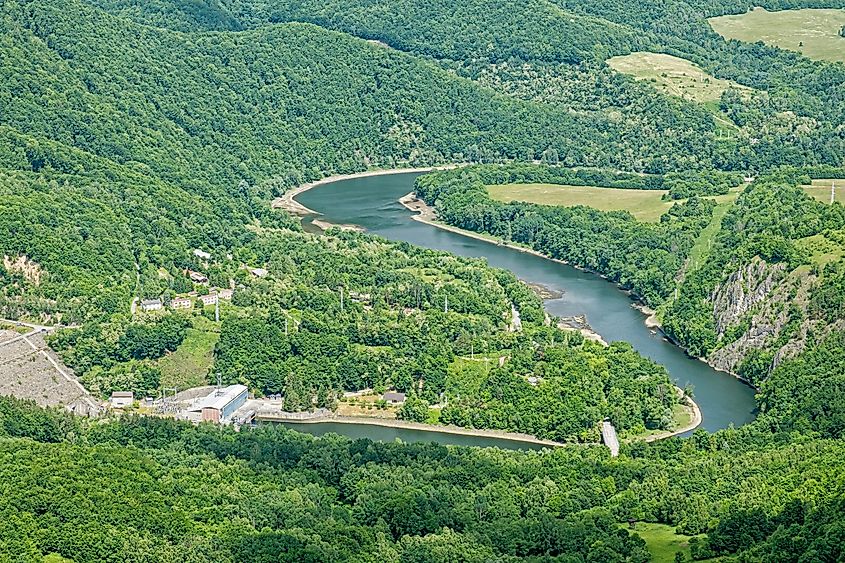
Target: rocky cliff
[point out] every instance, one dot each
(762, 307)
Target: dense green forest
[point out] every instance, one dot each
(158, 490)
(134, 133)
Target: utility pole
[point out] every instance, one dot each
(341, 298)
(832, 191)
(446, 304)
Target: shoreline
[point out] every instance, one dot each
(652, 322)
(425, 214)
(422, 427)
(696, 421)
(287, 201)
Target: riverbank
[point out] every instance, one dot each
(326, 225)
(288, 202)
(426, 214)
(418, 426)
(652, 322)
(694, 422)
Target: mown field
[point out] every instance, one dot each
(645, 205)
(812, 32)
(820, 190)
(673, 75)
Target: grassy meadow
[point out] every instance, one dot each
(820, 190)
(673, 75)
(644, 205)
(662, 541)
(189, 365)
(812, 32)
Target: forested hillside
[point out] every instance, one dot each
(159, 490)
(141, 144)
(207, 130)
(794, 117)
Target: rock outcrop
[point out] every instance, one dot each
(766, 293)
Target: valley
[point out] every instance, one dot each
(421, 281)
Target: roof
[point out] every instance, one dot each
(151, 302)
(199, 253)
(394, 396)
(122, 395)
(219, 399)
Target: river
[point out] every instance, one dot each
(372, 203)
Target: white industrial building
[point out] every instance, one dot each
(121, 399)
(219, 405)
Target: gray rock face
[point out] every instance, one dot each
(742, 291)
(766, 292)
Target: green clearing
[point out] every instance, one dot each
(644, 205)
(820, 189)
(662, 541)
(20, 329)
(189, 365)
(673, 75)
(701, 248)
(822, 250)
(812, 32)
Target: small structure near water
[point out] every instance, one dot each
(394, 398)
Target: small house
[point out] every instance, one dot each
(201, 254)
(181, 303)
(121, 399)
(225, 293)
(259, 272)
(394, 398)
(197, 277)
(151, 305)
(210, 299)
